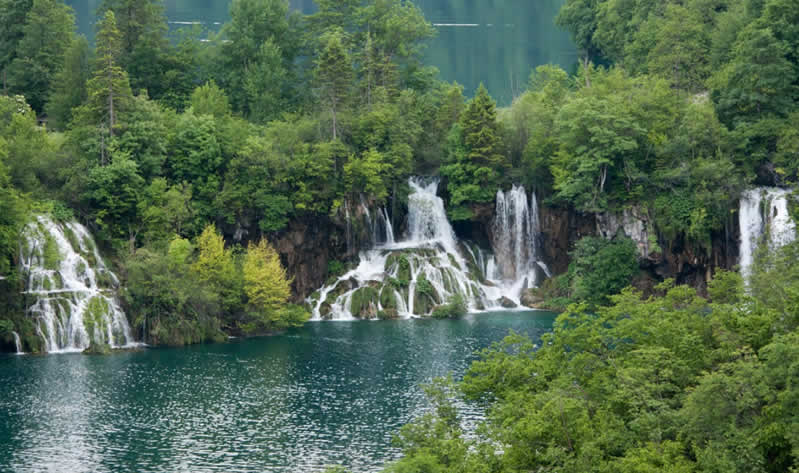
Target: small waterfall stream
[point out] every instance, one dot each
(515, 242)
(428, 266)
(17, 343)
(763, 218)
(72, 291)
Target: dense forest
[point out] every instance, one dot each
(154, 137)
(187, 157)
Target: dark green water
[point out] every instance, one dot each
(327, 393)
(503, 42)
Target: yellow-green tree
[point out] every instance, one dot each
(268, 289)
(216, 268)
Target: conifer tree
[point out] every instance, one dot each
(69, 85)
(480, 131)
(108, 89)
(12, 21)
(334, 76)
(47, 33)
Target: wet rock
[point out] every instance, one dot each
(507, 303)
(531, 298)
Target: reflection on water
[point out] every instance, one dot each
(497, 42)
(325, 394)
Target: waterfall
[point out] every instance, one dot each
(763, 217)
(365, 227)
(72, 291)
(515, 234)
(410, 276)
(17, 343)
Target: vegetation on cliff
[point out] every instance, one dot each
(151, 135)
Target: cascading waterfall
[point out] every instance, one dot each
(409, 277)
(516, 229)
(363, 229)
(72, 291)
(763, 218)
(17, 343)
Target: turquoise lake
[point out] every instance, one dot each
(327, 393)
(497, 42)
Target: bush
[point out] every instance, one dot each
(601, 268)
(454, 308)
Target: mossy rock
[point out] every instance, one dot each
(324, 310)
(50, 253)
(388, 299)
(364, 303)
(453, 261)
(72, 238)
(98, 349)
(388, 314)
(400, 261)
(94, 319)
(422, 304)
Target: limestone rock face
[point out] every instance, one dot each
(633, 223)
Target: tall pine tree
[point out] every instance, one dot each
(108, 89)
(334, 75)
(47, 33)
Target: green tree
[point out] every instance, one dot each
(759, 81)
(143, 42)
(12, 22)
(475, 173)
(113, 194)
(69, 84)
(268, 289)
(209, 99)
(46, 35)
(215, 267)
(601, 268)
(682, 49)
(259, 34)
(108, 89)
(333, 75)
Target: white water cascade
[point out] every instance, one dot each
(764, 219)
(17, 343)
(516, 230)
(71, 292)
(409, 277)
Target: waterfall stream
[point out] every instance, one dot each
(516, 230)
(764, 219)
(411, 276)
(72, 291)
(17, 343)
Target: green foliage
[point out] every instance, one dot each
(601, 268)
(268, 289)
(46, 35)
(478, 162)
(454, 308)
(108, 89)
(671, 383)
(170, 304)
(209, 99)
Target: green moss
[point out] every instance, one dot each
(93, 317)
(50, 253)
(364, 302)
(98, 349)
(453, 261)
(387, 298)
(399, 261)
(72, 238)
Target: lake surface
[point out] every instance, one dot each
(327, 393)
(498, 42)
